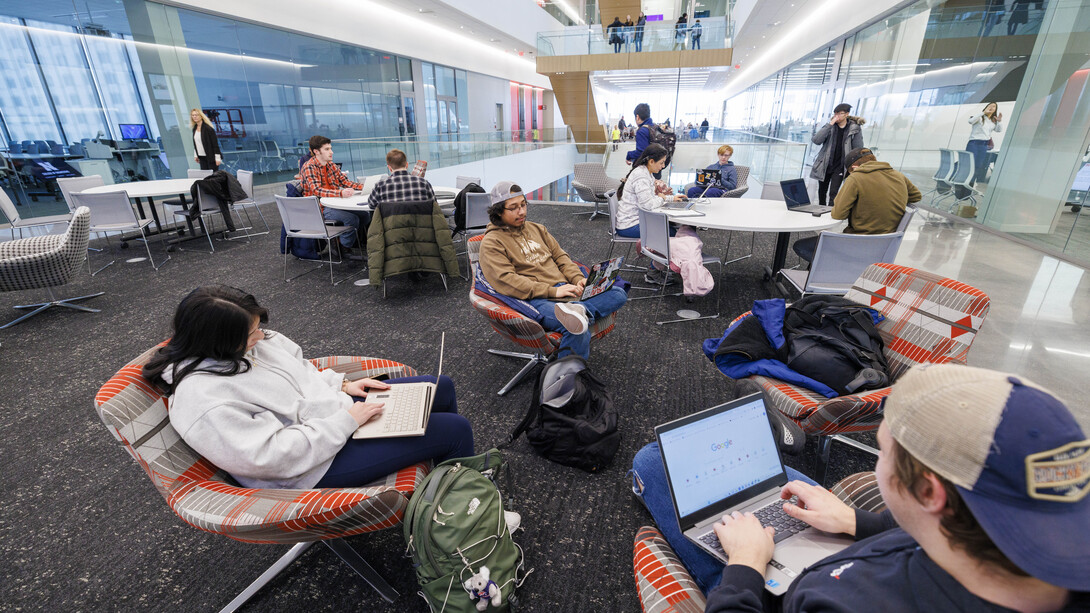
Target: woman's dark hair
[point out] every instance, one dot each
(212, 322)
(986, 105)
(495, 212)
(653, 151)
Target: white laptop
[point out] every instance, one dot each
(725, 459)
(407, 407)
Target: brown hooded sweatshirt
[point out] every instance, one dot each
(873, 199)
(525, 262)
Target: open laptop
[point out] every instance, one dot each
(602, 277)
(798, 199)
(407, 407)
(725, 459)
(708, 177)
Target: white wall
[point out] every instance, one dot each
(530, 170)
(484, 93)
(521, 19)
(368, 24)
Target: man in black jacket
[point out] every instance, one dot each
(985, 479)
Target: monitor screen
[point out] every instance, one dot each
(133, 131)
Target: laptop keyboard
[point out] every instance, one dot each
(401, 411)
(769, 515)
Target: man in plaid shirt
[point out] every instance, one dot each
(400, 186)
(322, 178)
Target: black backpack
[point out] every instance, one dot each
(460, 205)
(665, 137)
(833, 340)
(571, 419)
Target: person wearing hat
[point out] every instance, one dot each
(522, 260)
(873, 199)
(842, 134)
(985, 478)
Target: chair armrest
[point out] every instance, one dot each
(514, 325)
(860, 491)
(735, 193)
(355, 367)
(34, 245)
(662, 581)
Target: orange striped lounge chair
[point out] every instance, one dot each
(206, 498)
(518, 328)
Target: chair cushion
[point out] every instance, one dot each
(860, 491)
(204, 496)
(663, 583)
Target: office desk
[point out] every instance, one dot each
(149, 190)
(753, 215)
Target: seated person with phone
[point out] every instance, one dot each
(728, 176)
(522, 260)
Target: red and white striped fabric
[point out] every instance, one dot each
(662, 582)
(202, 495)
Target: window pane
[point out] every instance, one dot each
(69, 80)
(22, 98)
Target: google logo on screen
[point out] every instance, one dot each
(721, 446)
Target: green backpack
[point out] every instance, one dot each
(454, 525)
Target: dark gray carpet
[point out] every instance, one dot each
(83, 528)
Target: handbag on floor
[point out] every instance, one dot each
(457, 532)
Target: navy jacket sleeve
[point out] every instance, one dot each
(643, 138)
(740, 590)
(868, 524)
(728, 179)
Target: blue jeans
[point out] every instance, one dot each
(349, 218)
(609, 301)
(979, 149)
(649, 483)
(449, 435)
(696, 190)
(634, 231)
(696, 42)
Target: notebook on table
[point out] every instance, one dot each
(602, 277)
(725, 459)
(407, 407)
(798, 199)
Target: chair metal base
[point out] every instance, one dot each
(596, 212)
(54, 302)
(534, 360)
(343, 550)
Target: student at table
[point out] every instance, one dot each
(728, 176)
(400, 186)
(637, 191)
(322, 178)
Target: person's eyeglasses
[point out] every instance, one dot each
(516, 207)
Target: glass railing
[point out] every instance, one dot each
(656, 36)
(977, 21)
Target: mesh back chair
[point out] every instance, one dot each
(962, 179)
(615, 238)
(207, 206)
(943, 175)
(246, 180)
(46, 261)
(906, 219)
(8, 207)
(477, 206)
(665, 586)
(208, 499)
(78, 184)
(655, 244)
(463, 181)
(113, 212)
(302, 218)
(741, 187)
(928, 318)
(839, 260)
(520, 329)
(592, 184)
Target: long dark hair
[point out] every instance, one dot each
(653, 151)
(212, 322)
(986, 105)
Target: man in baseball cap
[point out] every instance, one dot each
(521, 260)
(985, 478)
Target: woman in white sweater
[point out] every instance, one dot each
(637, 191)
(248, 401)
(988, 122)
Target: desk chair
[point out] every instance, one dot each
(518, 328)
(207, 207)
(477, 206)
(246, 179)
(113, 212)
(962, 180)
(406, 237)
(78, 184)
(615, 238)
(928, 318)
(741, 187)
(942, 176)
(17, 223)
(839, 260)
(208, 499)
(46, 261)
(592, 184)
(302, 218)
(655, 244)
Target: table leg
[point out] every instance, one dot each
(155, 214)
(783, 240)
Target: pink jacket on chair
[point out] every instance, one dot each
(687, 258)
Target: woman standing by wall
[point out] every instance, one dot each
(988, 122)
(205, 143)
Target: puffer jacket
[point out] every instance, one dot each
(407, 237)
(853, 139)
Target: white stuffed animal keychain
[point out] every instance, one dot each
(484, 590)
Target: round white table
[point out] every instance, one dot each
(150, 190)
(753, 215)
(358, 202)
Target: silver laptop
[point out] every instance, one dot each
(798, 199)
(725, 459)
(407, 407)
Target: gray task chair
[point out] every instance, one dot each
(113, 212)
(962, 179)
(477, 206)
(46, 261)
(841, 258)
(207, 207)
(246, 179)
(942, 176)
(302, 218)
(592, 184)
(615, 238)
(16, 222)
(655, 244)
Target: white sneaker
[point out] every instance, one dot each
(514, 520)
(572, 316)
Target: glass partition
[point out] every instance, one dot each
(656, 36)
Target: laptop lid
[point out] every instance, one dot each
(794, 193)
(442, 345)
(719, 458)
(708, 177)
(602, 277)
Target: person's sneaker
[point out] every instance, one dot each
(658, 277)
(353, 253)
(572, 316)
(514, 520)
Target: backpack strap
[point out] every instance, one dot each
(531, 415)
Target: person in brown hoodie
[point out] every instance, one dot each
(873, 199)
(521, 259)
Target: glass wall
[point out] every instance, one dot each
(918, 78)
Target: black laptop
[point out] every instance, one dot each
(798, 199)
